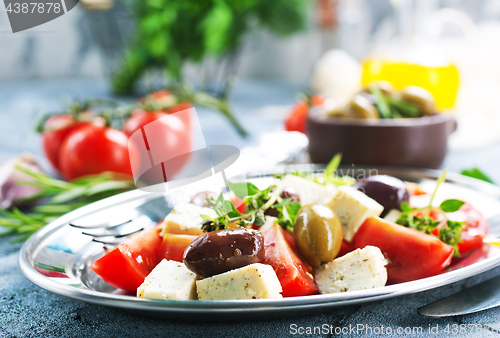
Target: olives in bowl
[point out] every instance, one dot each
(317, 234)
(380, 126)
(388, 191)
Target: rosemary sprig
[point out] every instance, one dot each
(59, 197)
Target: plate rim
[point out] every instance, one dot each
(237, 306)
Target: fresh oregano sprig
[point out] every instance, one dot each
(256, 201)
(450, 232)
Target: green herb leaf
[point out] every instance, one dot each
(380, 103)
(451, 234)
(440, 180)
(406, 108)
(477, 173)
(405, 207)
(451, 205)
(243, 189)
(333, 165)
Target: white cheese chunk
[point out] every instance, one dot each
(309, 192)
(393, 215)
(185, 219)
(169, 280)
(249, 282)
(352, 207)
(358, 270)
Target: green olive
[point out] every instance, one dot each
(337, 112)
(420, 97)
(361, 108)
(317, 234)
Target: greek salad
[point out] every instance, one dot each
(307, 234)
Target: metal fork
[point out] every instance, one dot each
(114, 232)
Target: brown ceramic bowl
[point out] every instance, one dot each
(411, 142)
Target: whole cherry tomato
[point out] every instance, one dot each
(55, 130)
(93, 150)
(175, 136)
(166, 105)
(297, 119)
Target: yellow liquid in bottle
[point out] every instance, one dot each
(441, 81)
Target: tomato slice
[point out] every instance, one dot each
(173, 246)
(473, 231)
(412, 254)
(472, 257)
(127, 265)
(346, 247)
(292, 271)
(239, 204)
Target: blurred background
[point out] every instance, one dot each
(279, 42)
(282, 80)
(131, 47)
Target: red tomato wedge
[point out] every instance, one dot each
(472, 257)
(412, 254)
(346, 247)
(127, 265)
(173, 246)
(473, 231)
(293, 273)
(239, 204)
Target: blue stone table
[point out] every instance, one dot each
(29, 311)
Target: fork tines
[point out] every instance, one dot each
(113, 233)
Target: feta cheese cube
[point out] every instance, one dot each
(352, 207)
(185, 219)
(358, 270)
(309, 192)
(169, 280)
(249, 282)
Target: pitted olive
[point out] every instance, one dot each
(421, 97)
(360, 107)
(389, 191)
(223, 250)
(317, 234)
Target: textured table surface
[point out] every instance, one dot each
(29, 311)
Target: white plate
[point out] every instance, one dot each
(63, 248)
